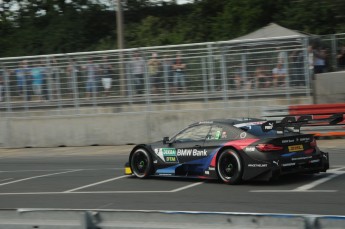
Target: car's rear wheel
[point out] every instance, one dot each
(229, 167)
(141, 163)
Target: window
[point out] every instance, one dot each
(217, 133)
(195, 133)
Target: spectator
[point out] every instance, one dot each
(107, 73)
(297, 68)
(319, 60)
(238, 81)
(54, 79)
(279, 75)
(21, 72)
(154, 66)
(179, 80)
(137, 67)
(341, 58)
(37, 73)
(167, 72)
(91, 78)
(262, 79)
(72, 71)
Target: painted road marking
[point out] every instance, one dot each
(51, 170)
(73, 191)
(186, 187)
(31, 178)
(94, 184)
(307, 188)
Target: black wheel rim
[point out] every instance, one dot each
(228, 166)
(140, 163)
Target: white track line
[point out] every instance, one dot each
(31, 178)
(307, 188)
(94, 184)
(186, 187)
(71, 193)
(317, 182)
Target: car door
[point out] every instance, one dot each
(218, 136)
(189, 144)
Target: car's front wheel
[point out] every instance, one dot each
(229, 167)
(141, 163)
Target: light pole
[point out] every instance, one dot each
(120, 45)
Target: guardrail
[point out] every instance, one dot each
(111, 219)
(318, 111)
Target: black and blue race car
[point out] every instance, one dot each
(233, 150)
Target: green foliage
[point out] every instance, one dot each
(59, 26)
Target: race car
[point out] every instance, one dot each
(233, 150)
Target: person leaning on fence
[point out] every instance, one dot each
(154, 66)
(37, 73)
(179, 79)
(20, 74)
(262, 79)
(136, 77)
(107, 73)
(237, 79)
(279, 75)
(91, 78)
(167, 72)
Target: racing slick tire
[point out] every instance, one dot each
(229, 167)
(141, 163)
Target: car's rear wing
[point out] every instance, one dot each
(296, 122)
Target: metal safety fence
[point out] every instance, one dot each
(151, 79)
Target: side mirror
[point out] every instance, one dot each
(166, 140)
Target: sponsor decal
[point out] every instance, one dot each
(276, 162)
(167, 154)
(269, 126)
(300, 158)
(211, 168)
(314, 161)
(295, 148)
(257, 165)
(249, 149)
(304, 139)
(155, 162)
(288, 141)
(206, 122)
(243, 135)
(289, 164)
(207, 172)
(191, 152)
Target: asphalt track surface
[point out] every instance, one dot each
(93, 178)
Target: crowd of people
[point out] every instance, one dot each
(161, 71)
(42, 81)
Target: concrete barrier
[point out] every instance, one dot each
(112, 219)
(107, 129)
(329, 87)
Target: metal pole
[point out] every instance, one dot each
(120, 44)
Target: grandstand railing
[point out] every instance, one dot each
(214, 74)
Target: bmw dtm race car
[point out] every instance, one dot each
(233, 150)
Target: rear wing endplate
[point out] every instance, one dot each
(296, 122)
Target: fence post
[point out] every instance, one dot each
(204, 78)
